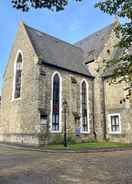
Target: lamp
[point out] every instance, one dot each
(65, 106)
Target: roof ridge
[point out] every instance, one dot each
(91, 34)
(53, 37)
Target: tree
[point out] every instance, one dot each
(122, 66)
(25, 5)
(122, 8)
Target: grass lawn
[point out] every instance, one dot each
(89, 145)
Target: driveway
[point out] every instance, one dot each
(34, 167)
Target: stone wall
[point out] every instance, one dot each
(0, 112)
(20, 117)
(113, 95)
(70, 93)
(99, 95)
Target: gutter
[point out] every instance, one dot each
(54, 65)
(104, 110)
(93, 110)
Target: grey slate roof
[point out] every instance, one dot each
(94, 44)
(57, 52)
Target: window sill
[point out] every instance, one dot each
(55, 132)
(82, 132)
(115, 133)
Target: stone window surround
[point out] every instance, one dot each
(60, 103)
(19, 51)
(109, 123)
(87, 87)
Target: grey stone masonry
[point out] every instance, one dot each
(27, 120)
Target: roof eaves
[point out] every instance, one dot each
(105, 77)
(41, 62)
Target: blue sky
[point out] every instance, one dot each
(77, 21)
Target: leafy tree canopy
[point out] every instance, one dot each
(122, 65)
(120, 8)
(25, 5)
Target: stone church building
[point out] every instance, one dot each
(43, 72)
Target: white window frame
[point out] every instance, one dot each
(19, 51)
(60, 103)
(109, 123)
(87, 93)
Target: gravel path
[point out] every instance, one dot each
(34, 167)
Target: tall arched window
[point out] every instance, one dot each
(56, 102)
(17, 77)
(84, 107)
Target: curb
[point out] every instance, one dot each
(89, 150)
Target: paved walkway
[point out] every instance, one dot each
(34, 167)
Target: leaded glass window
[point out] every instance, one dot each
(18, 76)
(84, 107)
(56, 103)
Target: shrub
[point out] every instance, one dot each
(71, 139)
(58, 139)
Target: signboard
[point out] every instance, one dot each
(43, 121)
(77, 131)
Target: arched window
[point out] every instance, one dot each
(84, 107)
(17, 77)
(55, 102)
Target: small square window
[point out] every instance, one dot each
(114, 123)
